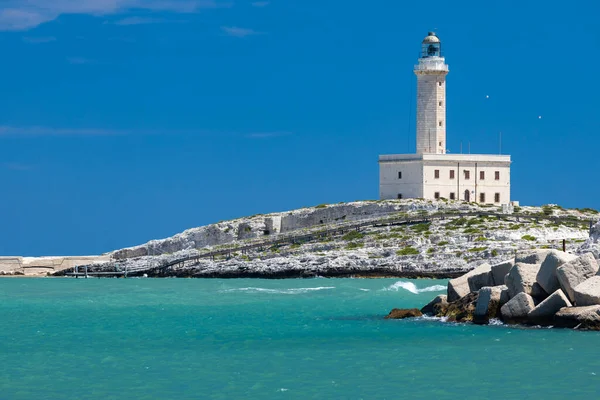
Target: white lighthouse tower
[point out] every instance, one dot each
(431, 97)
(431, 173)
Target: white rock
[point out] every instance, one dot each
(499, 271)
(587, 293)
(576, 271)
(518, 307)
(546, 276)
(488, 304)
(521, 278)
(547, 308)
(482, 277)
(459, 287)
(531, 257)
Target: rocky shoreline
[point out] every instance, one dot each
(538, 288)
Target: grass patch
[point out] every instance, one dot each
(481, 239)
(353, 235)
(494, 253)
(477, 249)
(472, 231)
(421, 228)
(442, 243)
(354, 245)
(529, 238)
(431, 250)
(321, 206)
(295, 246)
(407, 251)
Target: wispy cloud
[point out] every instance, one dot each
(137, 21)
(49, 131)
(38, 40)
(18, 166)
(267, 135)
(260, 3)
(17, 15)
(239, 32)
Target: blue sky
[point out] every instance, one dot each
(127, 120)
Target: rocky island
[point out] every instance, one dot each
(395, 238)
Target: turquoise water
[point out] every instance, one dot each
(276, 339)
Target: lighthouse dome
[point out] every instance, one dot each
(431, 38)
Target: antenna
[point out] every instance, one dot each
(500, 144)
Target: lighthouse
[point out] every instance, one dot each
(431, 74)
(432, 172)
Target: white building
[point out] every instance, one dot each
(431, 173)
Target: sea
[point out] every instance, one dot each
(271, 339)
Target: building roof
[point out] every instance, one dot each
(431, 38)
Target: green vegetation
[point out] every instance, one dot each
(247, 229)
(458, 253)
(407, 251)
(353, 235)
(529, 237)
(458, 221)
(481, 239)
(245, 258)
(472, 231)
(354, 245)
(517, 209)
(494, 253)
(477, 249)
(547, 210)
(295, 245)
(431, 250)
(421, 228)
(442, 243)
(321, 206)
(588, 210)
(515, 227)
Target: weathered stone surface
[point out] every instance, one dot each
(499, 271)
(462, 309)
(459, 287)
(488, 304)
(587, 293)
(576, 271)
(538, 293)
(531, 257)
(429, 308)
(585, 317)
(546, 276)
(401, 313)
(504, 295)
(517, 308)
(521, 278)
(546, 309)
(480, 279)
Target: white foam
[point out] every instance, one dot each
(278, 291)
(411, 287)
(364, 290)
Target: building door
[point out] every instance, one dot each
(467, 196)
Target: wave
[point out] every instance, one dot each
(278, 291)
(411, 287)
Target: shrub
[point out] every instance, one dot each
(481, 239)
(494, 253)
(442, 243)
(529, 237)
(295, 245)
(547, 210)
(407, 251)
(321, 206)
(458, 253)
(588, 210)
(247, 229)
(421, 228)
(472, 231)
(477, 249)
(430, 250)
(353, 235)
(517, 209)
(354, 245)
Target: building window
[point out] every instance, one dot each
(439, 83)
(399, 175)
(482, 197)
(451, 174)
(436, 195)
(497, 175)
(436, 174)
(467, 174)
(399, 195)
(440, 123)
(497, 198)
(481, 175)
(452, 196)
(440, 103)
